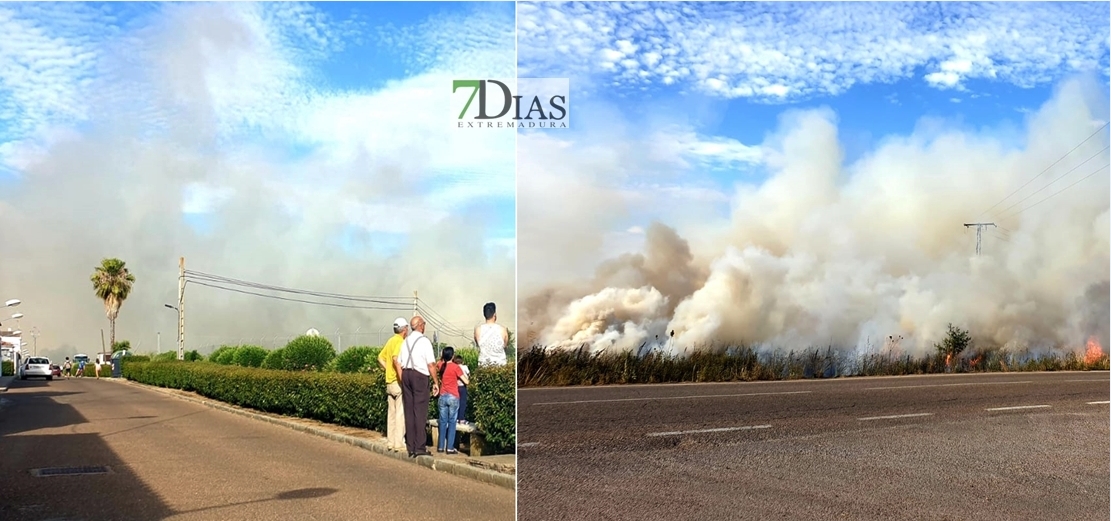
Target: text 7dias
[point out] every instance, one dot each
(544, 104)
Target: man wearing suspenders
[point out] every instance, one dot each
(418, 364)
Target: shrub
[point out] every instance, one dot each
(215, 355)
(955, 342)
(310, 353)
(135, 358)
(249, 356)
(193, 356)
(225, 357)
(165, 357)
(354, 359)
(274, 360)
(121, 345)
(7, 368)
(355, 400)
(493, 393)
(469, 356)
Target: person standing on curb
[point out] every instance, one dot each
(418, 364)
(395, 415)
(491, 338)
(452, 377)
(463, 382)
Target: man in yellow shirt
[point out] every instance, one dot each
(387, 358)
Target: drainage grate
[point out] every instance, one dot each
(70, 471)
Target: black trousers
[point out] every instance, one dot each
(415, 397)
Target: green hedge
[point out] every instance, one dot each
(491, 388)
(356, 359)
(7, 368)
(249, 356)
(349, 399)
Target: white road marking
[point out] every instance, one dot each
(1098, 403)
(671, 398)
(916, 415)
(1088, 380)
(700, 431)
(529, 444)
(1017, 407)
(945, 385)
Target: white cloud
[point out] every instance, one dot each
(783, 51)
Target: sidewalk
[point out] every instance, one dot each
(5, 381)
(497, 470)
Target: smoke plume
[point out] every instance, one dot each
(207, 105)
(826, 253)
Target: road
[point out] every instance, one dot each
(1013, 446)
(173, 459)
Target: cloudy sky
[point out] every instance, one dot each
(716, 118)
(299, 145)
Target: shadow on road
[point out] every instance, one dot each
(118, 494)
(302, 493)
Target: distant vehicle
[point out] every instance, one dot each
(37, 366)
(55, 370)
(77, 359)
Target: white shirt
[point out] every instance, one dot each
(422, 354)
(491, 345)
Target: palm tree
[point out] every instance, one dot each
(112, 283)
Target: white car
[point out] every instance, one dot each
(37, 366)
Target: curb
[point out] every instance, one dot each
(459, 469)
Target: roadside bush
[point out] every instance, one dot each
(215, 355)
(493, 393)
(135, 358)
(249, 356)
(354, 359)
(274, 360)
(7, 369)
(349, 399)
(469, 356)
(193, 356)
(165, 357)
(345, 399)
(311, 353)
(226, 356)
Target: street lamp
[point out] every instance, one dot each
(180, 333)
(12, 303)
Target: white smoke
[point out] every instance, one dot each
(825, 253)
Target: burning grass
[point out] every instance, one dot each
(547, 367)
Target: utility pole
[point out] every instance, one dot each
(35, 341)
(181, 309)
(979, 231)
(415, 300)
(159, 342)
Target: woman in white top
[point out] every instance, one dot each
(491, 338)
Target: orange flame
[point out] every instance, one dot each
(947, 357)
(1094, 352)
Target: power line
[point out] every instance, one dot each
(1047, 168)
(399, 307)
(194, 275)
(1100, 169)
(434, 318)
(1058, 178)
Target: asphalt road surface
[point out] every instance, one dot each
(1017, 446)
(172, 459)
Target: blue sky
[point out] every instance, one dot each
(697, 88)
(287, 92)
